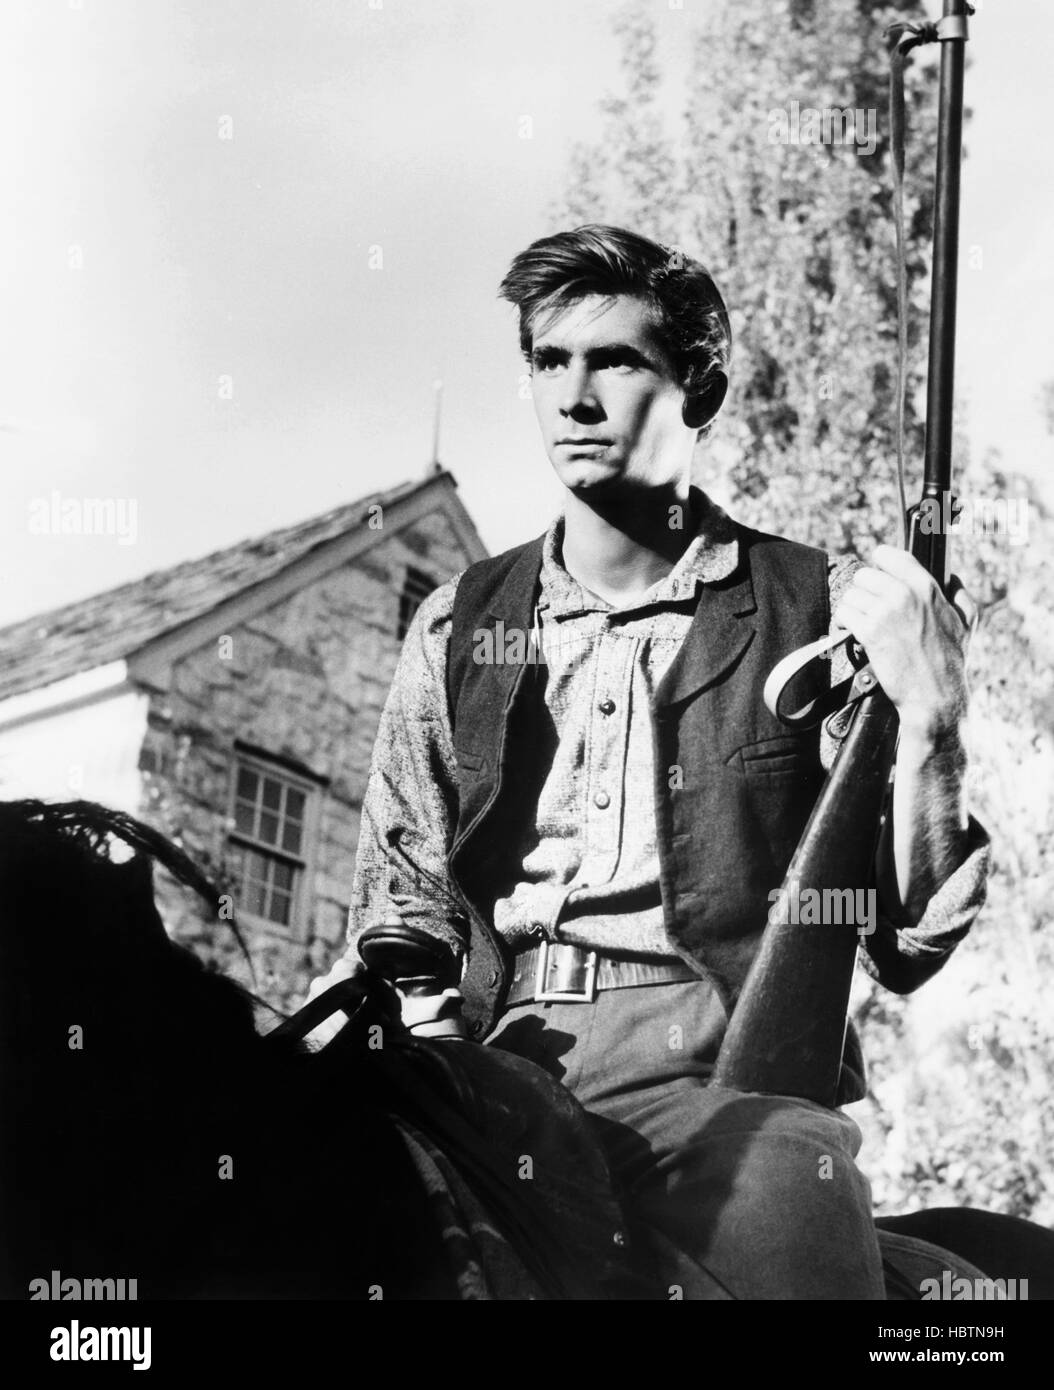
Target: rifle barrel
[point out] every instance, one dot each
(940, 382)
(787, 1032)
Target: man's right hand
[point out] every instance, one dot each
(426, 1015)
(344, 969)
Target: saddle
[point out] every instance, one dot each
(519, 1182)
(494, 1133)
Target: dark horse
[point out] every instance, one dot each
(150, 1131)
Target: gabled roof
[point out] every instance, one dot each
(121, 622)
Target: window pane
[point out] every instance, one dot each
(282, 877)
(291, 837)
(272, 794)
(254, 898)
(294, 803)
(280, 906)
(255, 867)
(247, 782)
(243, 817)
(268, 828)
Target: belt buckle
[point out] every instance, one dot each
(564, 990)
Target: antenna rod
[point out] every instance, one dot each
(437, 388)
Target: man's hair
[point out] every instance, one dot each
(691, 321)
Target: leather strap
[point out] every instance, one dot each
(613, 972)
(784, 672)
(902, 37)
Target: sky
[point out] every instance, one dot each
(240, 240)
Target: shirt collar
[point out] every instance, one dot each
(712, 555)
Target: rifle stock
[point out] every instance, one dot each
(788, 1028)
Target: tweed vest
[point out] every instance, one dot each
(733, 787)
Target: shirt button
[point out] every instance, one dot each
(607, 707)
(602, 800)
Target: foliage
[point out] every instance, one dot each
(800, 238)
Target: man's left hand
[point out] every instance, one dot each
(915, 639)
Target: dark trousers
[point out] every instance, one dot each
(727, 1195)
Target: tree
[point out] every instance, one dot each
(800, 238)
(798, 235)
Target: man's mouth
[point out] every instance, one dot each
(584, 442)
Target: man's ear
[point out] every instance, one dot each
(701, 407)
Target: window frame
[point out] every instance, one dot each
(297, 929)
(402, 626)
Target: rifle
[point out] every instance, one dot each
(787, 1031)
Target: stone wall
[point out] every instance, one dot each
(305, 681)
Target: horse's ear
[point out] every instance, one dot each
(701, 406)
(138, 874)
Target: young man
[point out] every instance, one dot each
(576, 782)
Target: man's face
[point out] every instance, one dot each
(607, 399)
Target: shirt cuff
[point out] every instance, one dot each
(949, 915)
(417, 912)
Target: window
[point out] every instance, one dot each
(416, 588)
(272, 826)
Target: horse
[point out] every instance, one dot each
(150, 1131)
(153, 1131)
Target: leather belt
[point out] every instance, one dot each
(559, 973)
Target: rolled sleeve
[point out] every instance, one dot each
(409, 812)
(903, 957)
(899, 954)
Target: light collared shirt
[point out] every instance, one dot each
(584, 867)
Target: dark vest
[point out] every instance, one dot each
(733, 787)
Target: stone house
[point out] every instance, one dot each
(232, 702)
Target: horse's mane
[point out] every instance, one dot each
(88, 826)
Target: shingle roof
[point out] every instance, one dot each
(112, 625)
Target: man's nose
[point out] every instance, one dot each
(579, 397)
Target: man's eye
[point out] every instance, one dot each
(546, 364)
